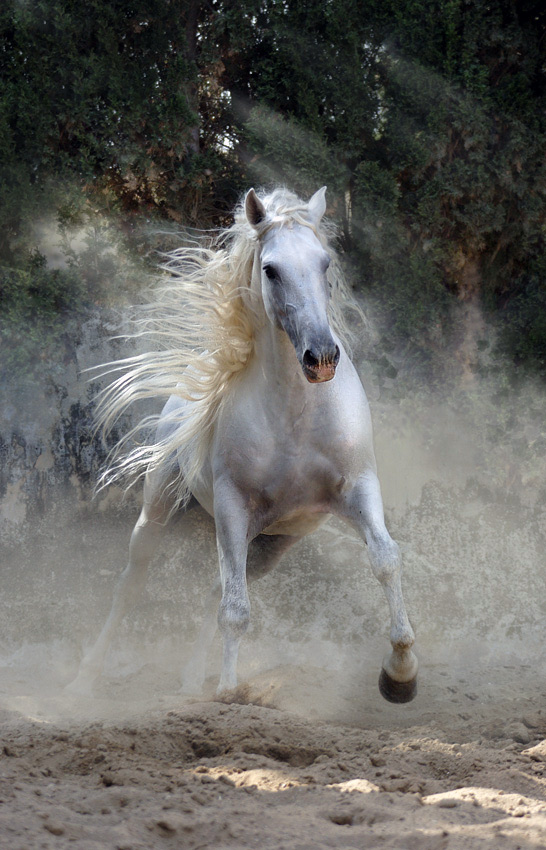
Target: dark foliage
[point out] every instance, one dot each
(424, 118)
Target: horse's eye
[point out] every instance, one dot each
(270, 272)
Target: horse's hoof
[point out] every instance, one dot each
(394, 691)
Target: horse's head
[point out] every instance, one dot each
(294, 287)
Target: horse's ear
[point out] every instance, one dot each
(254, 209)
(317, 205)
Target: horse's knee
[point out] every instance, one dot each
(234, 617)
(385, 558)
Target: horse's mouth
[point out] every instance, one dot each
(319, 374)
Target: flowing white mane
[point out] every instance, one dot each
(202, 323)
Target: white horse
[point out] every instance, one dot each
(266, 425)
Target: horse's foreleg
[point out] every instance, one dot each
(142, 547)
(264, 553)
(232, 538)
(364, 509)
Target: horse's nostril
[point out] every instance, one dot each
(329, 356)
(310, 360)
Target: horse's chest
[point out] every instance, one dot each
(291, 462)
(294, 497)
(297, 524)
(287, 482)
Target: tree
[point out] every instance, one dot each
(99, 124)
(102, 95)
(465, 138)
(424, 118)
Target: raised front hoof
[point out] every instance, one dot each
(396, 692)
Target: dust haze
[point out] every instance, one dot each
(461, 467)
(461, 474)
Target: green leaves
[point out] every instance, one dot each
(424, 118)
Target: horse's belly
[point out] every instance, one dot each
(297, 524)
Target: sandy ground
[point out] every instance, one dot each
(306, 754)
(296, 758)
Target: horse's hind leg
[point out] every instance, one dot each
(264, 553)
(143, 545)
(363, 507)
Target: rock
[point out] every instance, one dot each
(55, 827)
(538, 752)
(341, 816)
(520, 733)
(168, 823)
(396, 784)
(447, 803)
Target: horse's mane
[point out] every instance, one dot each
(201, 319)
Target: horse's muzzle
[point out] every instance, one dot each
(320, 368)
